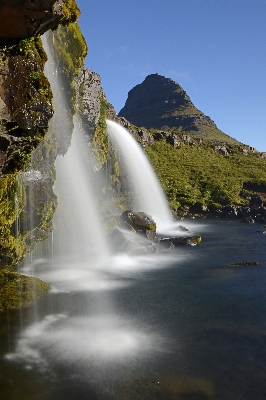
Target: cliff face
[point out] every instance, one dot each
(22, 19)
(25, 95)
(160, 103)
(33, 112)
(27, 201)
(25, 102)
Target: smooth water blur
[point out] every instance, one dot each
(174, 325)
(148, 195)
(78, 231)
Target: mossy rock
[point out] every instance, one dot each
(100, 138)
(69, 50)
(138, 220)
(71, 11)
(18, 291)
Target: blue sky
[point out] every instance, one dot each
(215, 49)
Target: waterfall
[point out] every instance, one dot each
(81, 232)
(78, 231)
(148, 195)
(95, 327)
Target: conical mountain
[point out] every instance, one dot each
(161, 103)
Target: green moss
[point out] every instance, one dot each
(100, 138)
(12, 201)
(71, 11)
(70, 51)
(18, 291)
(30, 47)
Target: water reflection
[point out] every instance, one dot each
(87, 341)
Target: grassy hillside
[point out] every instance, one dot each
(199, 174)
(206, 132)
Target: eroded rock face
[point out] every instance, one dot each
(21, 19)
(25, 95)
(25, 102)
(90, 92)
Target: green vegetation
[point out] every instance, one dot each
(206, 132)
(12, 201)
(18, 291)
(71, 12)
(100, 138)
(70, 51)
(200, 175)
(32, 48)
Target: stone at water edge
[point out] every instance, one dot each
(19, 291)
(130, 243)
(240, 264)
(176, 241)
(138, 220)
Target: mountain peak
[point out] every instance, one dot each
(161, 103)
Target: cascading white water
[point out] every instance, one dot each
(92, 326)
(84, 234)
(77, 228)
(148, 195)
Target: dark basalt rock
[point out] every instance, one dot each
(256, 201)
(255, 187)
(240, 264)
(22, 19)
(134, 233)
(248, 220)
(177, 241)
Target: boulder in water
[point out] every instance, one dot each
(177, 241)
(139, 221)
(130, 243)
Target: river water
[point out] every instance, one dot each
(176, 325)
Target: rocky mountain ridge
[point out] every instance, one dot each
(161, 103)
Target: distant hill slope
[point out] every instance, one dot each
(160, 103)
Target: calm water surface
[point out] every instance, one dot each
(172, 326)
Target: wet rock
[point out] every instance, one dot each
(230, 211)
(139, 221)
(240, 264)
(199, 209)
(172, 242)
(256, 201)
(151, 235)
(248, 220)
(19, 290)
(182, 228)
(244, 212)
(130, 243)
